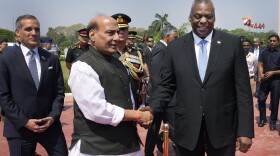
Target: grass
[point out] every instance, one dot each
(65, 72)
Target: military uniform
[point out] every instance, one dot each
(78, 50)
(132, 60)
(75, 52)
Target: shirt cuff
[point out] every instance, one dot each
(118, 117)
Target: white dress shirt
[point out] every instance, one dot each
(90, 97)
(252, 63)
(197, 42)
(256, 52)
(25, 51)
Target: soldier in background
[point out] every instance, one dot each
(46, 43)
(79, 49)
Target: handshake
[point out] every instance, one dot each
(143, 116)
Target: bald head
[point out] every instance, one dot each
(103, 34)
(257, 42)
(97, 21)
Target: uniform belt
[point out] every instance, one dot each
(251, 77)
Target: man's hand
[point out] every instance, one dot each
(44, 124)
(32, 124)
(243, 144)
(267, 75)
(149, 110)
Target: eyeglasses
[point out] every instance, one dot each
(150, 41)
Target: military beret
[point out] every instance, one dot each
(83, 32)
(132, 34)
(122, 20)
(45, 40)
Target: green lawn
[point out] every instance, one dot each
(65, 76)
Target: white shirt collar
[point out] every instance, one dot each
(198, 39)
(163, 42)
(25, 50)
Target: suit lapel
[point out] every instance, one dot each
(191, 57)
(23, 67)
(44, 65)
(160, 46)
(215, 50)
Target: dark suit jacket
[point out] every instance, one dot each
(261, 50)
(147, 55)
(224, 97)
(156, 63)
(21, 100)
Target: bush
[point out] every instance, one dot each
(62, 59)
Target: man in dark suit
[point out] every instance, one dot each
(214, 107)
(32, 94)
(147, 54)
(147, 50)
(168, 34)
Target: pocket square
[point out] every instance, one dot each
(51, 67)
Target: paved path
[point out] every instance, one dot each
(266, 142)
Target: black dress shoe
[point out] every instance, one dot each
(261, 123)
(272, 127)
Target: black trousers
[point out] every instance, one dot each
(152, 134)
(53, 141)
(204, 146)
(272, 86)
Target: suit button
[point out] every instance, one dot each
(202, 89)
(128, 100)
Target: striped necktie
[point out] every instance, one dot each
(33, 68)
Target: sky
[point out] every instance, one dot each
(53, 13)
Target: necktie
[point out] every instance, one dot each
(33, 68)
(203, 59)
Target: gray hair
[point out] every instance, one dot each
(168, 29)
(18, 21)
(256, 39)
(202, 1)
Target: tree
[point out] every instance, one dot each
(158, 24)
(65, 36)
(183, 29)
(7, 34)
(58, 37)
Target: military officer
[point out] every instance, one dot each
(79, 49)
(130, 56)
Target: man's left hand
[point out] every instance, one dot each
(243, 144)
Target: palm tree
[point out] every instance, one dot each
(158, 24)
(183, 29)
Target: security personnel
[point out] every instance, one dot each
(269, 76)
(79, 49)
(46, 43)
(130, 56)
